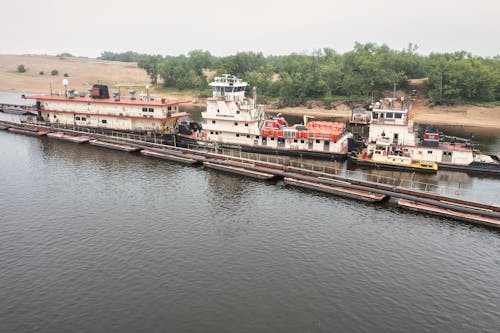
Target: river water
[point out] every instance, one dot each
(93, 240)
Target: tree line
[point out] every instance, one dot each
(367, 70)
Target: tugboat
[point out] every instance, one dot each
(234, 121)
(393, 141)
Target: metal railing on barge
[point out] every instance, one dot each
(458, 191)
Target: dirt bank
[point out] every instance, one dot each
(460, 115)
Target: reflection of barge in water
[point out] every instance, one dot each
(233, 121)
(392, 137)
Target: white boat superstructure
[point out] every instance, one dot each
(395, 126)
(234, 120)
(98, 110)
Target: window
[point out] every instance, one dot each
(246, 124)
(375, 115)
(389, 115)
(301, 141)
(237, 111)
(218, 110)
(398, 115)
(237, 134)
(144, 109)
(272, 139)
(151, 110)
(317, 141)
(213, 121)
(77, 118)
(429, 152)
(55, 117)
(169, 108)
(235, 124)
(211, 132)
(257, 137)
(216, 133)
(295, 140)
(248, 136)
(84, 119)
(104, 121)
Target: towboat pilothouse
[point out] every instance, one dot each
(394, 143)
(232, 120)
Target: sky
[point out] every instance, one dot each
(89, 27)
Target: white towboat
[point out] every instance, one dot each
(392, 136)
(232, 120)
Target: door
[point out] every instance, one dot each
(395, 139)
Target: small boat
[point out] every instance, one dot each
(384, 157)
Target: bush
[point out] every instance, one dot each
(21, 68)
(41, 73)
(66, 75)
(54, 72)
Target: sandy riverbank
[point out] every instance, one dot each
(460, 115)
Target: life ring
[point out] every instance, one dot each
(457, 192)
(289, 140)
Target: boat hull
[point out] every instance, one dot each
(267, 150)
(474, 167)
(378, 165)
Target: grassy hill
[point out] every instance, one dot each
(82, 73)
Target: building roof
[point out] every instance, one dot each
(86, 99)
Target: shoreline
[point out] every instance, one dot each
(457, 115)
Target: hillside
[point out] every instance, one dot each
(82, 72)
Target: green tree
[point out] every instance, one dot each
(54, 72)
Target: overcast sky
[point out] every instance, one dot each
(89, 27)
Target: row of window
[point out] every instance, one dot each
(237, 111)
(146, 110)
(235, 123)
(257, 137)
(104, 121)
(388, 115)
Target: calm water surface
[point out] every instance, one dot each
(93, 240)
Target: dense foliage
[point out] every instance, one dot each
(325, 74)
